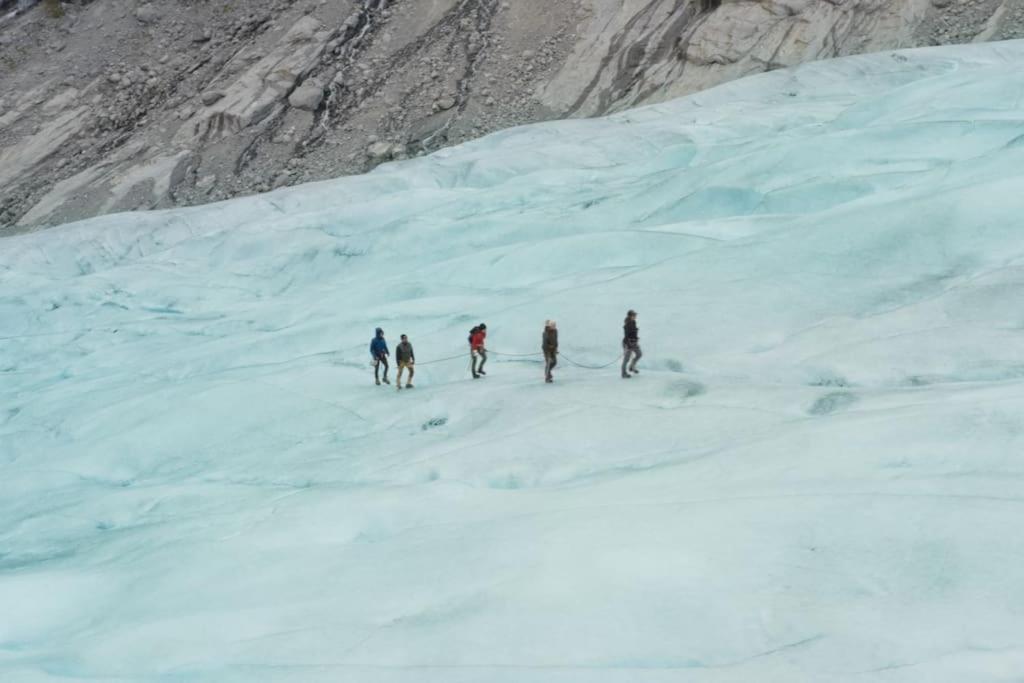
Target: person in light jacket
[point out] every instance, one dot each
(406, 359)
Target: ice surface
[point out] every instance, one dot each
(816, 477)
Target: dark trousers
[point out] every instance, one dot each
(550, 361)
(482, 355)
(376, 367)
(630, 351)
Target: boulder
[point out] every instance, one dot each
(379, 151)
(211, 97)
(307, 96)
(147, 14)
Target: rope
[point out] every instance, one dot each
(516, 355)
(439, 360)
(590, 367)
(462, 355)
(524, 355)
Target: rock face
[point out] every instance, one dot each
(307, 96)
(124, 105)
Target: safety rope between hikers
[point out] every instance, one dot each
(526, 355)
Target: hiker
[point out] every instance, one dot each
(630, 345)
(549, 345)
(477, 350)
(406, 359)
(379, 351)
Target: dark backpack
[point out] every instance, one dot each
(472, 332)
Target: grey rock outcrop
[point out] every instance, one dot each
(211, 97)
(307, 96)
(147, 14)
(108, 108)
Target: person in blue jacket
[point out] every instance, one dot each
(380, 353)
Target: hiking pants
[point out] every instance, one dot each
(630, 351)
(376, 367)
(482, 355)
(550, 361)
(405, 365)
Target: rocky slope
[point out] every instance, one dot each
(108, 105)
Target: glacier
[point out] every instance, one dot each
(817, 475)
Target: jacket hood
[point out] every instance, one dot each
(380, 332)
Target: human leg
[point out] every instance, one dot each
(637, 355)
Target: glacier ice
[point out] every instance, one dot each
(817, 475)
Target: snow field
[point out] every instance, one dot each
(816, 476)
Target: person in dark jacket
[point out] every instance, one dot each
(406, 359)
(549, 345)
(630, 345)
(477, 349)
(379, 351)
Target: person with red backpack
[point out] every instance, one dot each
(477, 349)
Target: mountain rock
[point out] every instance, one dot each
(307, 96)
(147, 14)
(428, 74)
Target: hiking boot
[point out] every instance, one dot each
(476, 375)
(378, 382)
(408, 386)
(481, 372)
(634, 371)
(626, 376)
(387, 381)
(549, 380)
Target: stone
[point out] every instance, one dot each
(307, 96)
(303, 31)
(445, 103)
(147, 14)
(211, 97)
(379, 151)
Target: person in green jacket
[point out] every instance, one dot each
(406, 359)
(549, 345)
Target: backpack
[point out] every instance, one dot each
(472, 332)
